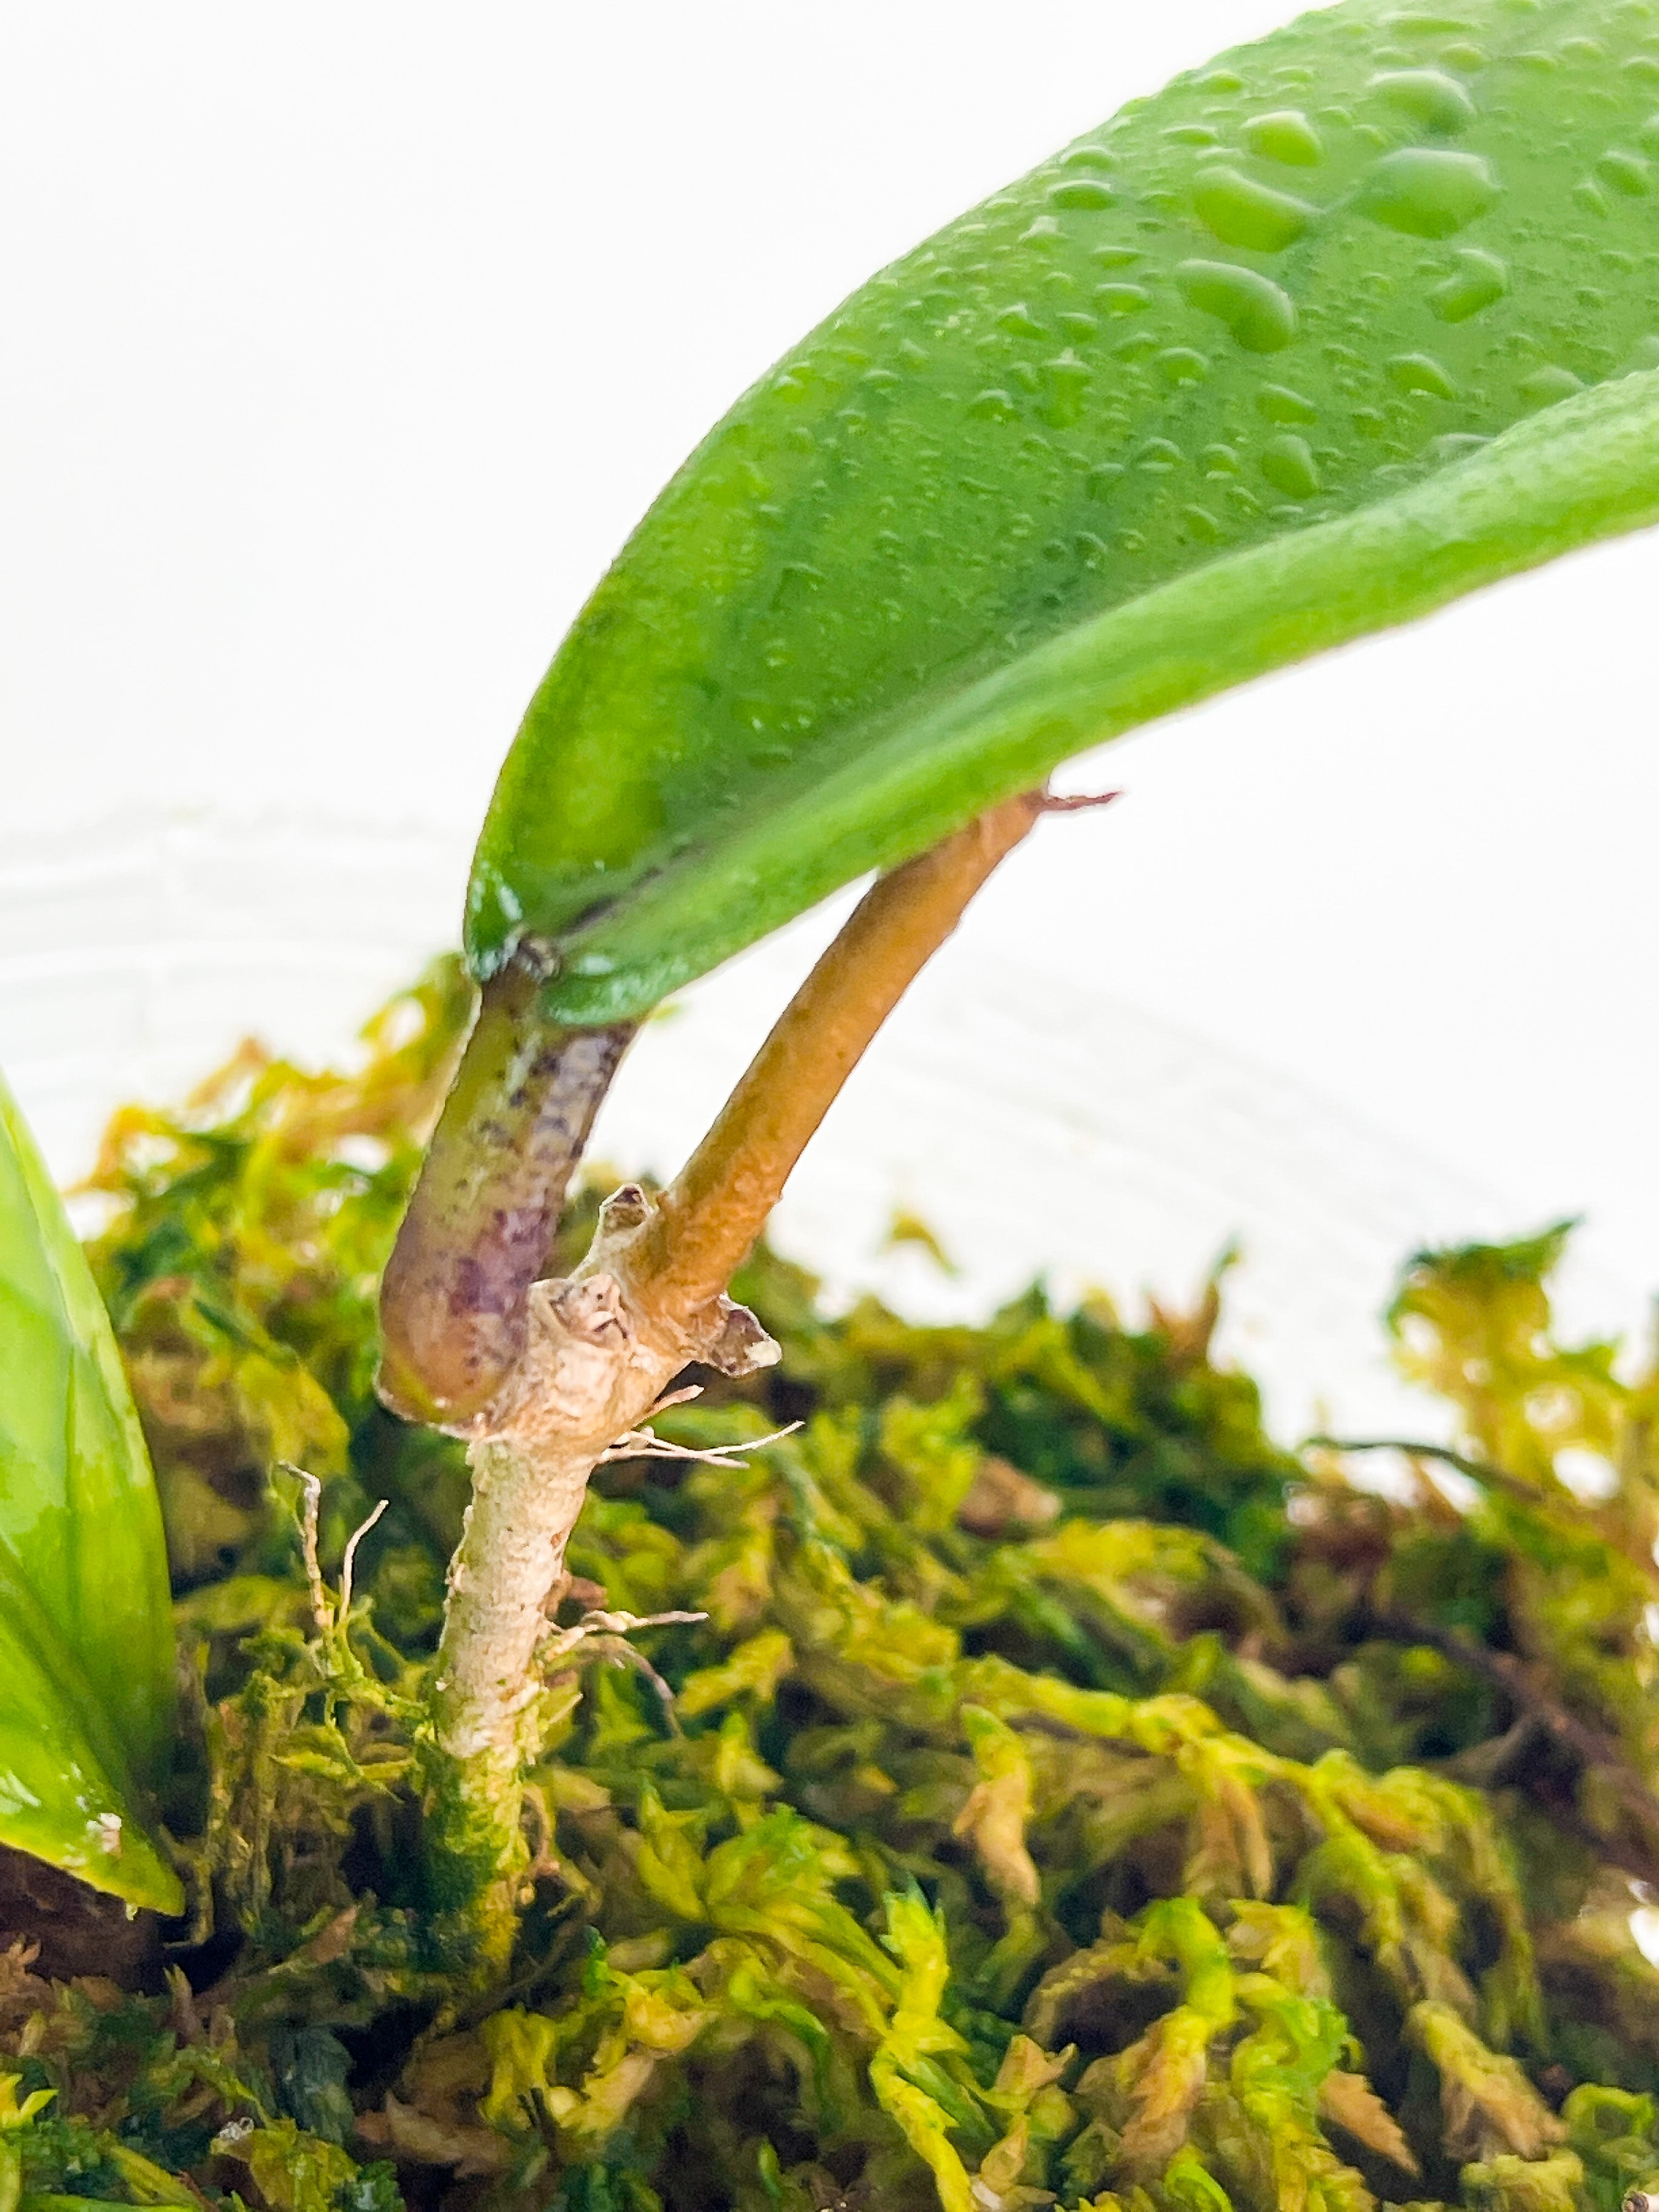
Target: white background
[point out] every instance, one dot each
(342, 346)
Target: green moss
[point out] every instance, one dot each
(1071, 1794)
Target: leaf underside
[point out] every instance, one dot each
(86, 1641)
(1300, 348)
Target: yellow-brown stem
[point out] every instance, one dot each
(707, 1222)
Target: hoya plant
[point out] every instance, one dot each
(1349, 322)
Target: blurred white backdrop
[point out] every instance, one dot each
(345, 345)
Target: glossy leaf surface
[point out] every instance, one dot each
(86, 1637)
(1294, 351)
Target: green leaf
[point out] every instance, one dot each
(86, 1638)
(1293, 351)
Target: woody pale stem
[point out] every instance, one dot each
(600, 1349)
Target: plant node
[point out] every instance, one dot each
(599, 1349)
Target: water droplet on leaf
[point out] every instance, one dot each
(1421, 23)
(1280, 405)
(1421, 372)
(1626, 173)
(1183, 365)
(1428, 96)
(1476, 280)
(1427, 191)
(1121, 299)
(1065, 380)
(1545, 387)
(1259, 314)
(1242, 212)
(1083, 193)
(1288, 464)
(1286, 136)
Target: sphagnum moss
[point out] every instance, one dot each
(1063, 1794)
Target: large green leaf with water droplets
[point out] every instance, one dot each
(86, 1637)
(1298, 349)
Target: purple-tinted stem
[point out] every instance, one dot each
(480, 1225)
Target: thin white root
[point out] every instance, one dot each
(328, 1617)
(348, 1565)
(682, 1397)
(605, 1636)
(565, 1640)
(310, 1498)
(644, 1442)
